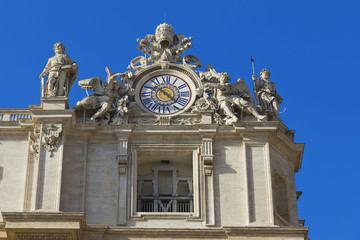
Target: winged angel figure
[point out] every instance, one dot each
(229, 96)
(106, 95)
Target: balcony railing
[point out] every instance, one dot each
(13, 115)
(170, 206)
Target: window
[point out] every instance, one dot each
(165, 179)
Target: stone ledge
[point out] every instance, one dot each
(198, 233)
(35, 225)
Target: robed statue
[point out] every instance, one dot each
(266, 94)
(61, 71)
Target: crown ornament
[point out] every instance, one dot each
(164, 34)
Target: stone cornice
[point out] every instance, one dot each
(217, 233)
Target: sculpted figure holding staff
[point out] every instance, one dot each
(230, 96)
(265, 93)
(61, 71)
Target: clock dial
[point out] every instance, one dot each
(165, 94)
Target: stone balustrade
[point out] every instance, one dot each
(12, 115)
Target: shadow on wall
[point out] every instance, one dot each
(1, 173)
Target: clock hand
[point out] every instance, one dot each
(166, 94)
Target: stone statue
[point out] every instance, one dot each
(106, 96)
(230, 95)
(122, 108)
(164, 46)
(265, 93)
(204, 103)
(61, 71)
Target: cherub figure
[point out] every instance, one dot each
(204, 103)
(265, 93)
(121, 110)
(105, 94)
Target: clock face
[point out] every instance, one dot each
(165, 94)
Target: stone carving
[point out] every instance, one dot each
(61, 71)
(185, 121)
(164, 46)
(137, 63)
(217, 100)
(51, 137)
(265, 93)
(42, 237)
(204, 103)
(121, 110)
(230, 97)
(107, 97)
(34, 142)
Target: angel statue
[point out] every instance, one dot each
(265, 93)
(105, 96)
(230, 96)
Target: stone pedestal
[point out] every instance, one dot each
(54, 103)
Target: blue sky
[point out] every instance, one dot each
(310, 47)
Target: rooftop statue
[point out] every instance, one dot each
(265, 93)
(230, 96)
(164, 46)
(61, 71)
(167, 91)
(106, 97)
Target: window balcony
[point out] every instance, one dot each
(166, 205)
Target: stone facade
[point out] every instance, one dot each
(202, 161)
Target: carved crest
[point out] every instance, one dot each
(51, 137)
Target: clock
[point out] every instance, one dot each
(165, 93)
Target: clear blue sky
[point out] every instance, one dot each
(310, 47)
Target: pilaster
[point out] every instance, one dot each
(259, 182)
(122, 159)
(46, 145)
(207, 158)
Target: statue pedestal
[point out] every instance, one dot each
(206, 116)
(54, 103)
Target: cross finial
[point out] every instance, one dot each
(164, 17)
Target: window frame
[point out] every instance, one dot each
(197, 181)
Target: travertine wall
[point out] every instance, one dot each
(238, 178)
(13, 171)
(231, 201)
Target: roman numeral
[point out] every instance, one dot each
(166, 79)
(182, 86)
(155, 81)
(146, 101)
(145, 94)
(164, 109)
(182, 101)
(175, 81)
(153, 108)
(185, 94)
(149, 87)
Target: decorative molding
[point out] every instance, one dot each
(34, 142)
(206, 152)
(51, 137)
(42, 237)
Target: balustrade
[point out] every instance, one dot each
(13, 115)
